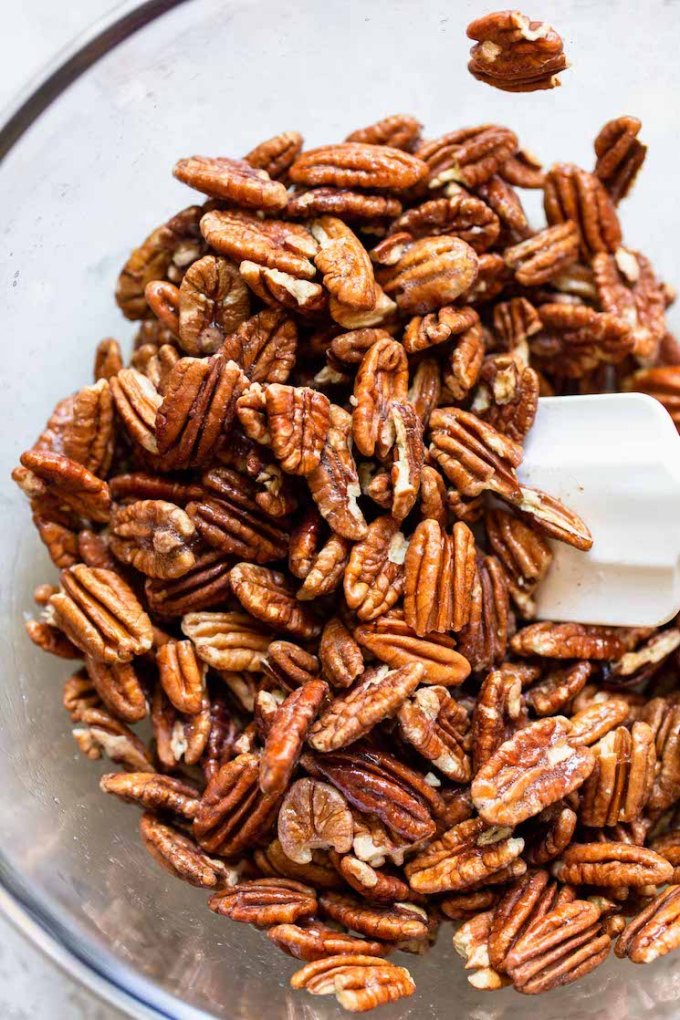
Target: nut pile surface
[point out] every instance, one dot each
(291, 533)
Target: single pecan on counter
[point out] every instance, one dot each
(296, 553)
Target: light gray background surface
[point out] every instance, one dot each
(34, 31)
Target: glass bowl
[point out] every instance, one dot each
(86, 175)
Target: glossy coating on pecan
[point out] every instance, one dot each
(515, 54)
(334, 483)
(265, 901)
(620, 155)
(53, 474)
(571, 641)
(437, 726)
(439, 577)
(469, 156)
(350, 205)
(374, 576)
(287, 734)
(316, 941)
(554, 692)
(655, 931)
(358, 164)
(614, 864)
(182, 675)
(527, 773)
(205, 585)
(231, 179)
(376, 783)
(464, 363)
(230, 641)
(549, 515)
(289, 665)
(153, 536)
(81, 428)
(100, 613)
(178, 239)
(431, 272)
(382, 378)
(359, 982)
(268, 596)
(288, 247)
(293, 420)
(558, 948)
(461, 214)
(264, 346)
(473, 455)
(178, 854)
(545, 255)
(399, 130)
(391, 640)
(344, 263)
(314, 816)
(620, 785)
(469, 853)
(394, 923)
(524, 555)
(496, 715)
(179, 737)
(233, 811)
(153, 792)
(574, 194)
(437, 327)
(484, 639)
(119, 688)
(376, 695)
(340, 654)
(137, 401)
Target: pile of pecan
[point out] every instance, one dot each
(291, 534)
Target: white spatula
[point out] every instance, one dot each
(615, 460)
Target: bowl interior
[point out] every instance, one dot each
(86, 183)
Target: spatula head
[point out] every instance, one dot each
(615, 460)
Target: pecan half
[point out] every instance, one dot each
(399, 130)
(294, 421)
(374, 576)
(396, 922)
(620, 785)
(574, 194)
(461, 371)
(620, 155)
(344, 263)
(182, 675)
(178, 854)
(137, 401)
(205, 584)
(265, 901)
(627, 288)
(334, 483)
(232, 179)
(233, 811)
(316, 941)
(275, 155)
(288, 247)
(571, 641)
(54, 475)
(469, 156)
(439, 577)
(446, 323)
(461, 214)
(376, 695)
(425, 390)
(437, 726)
(430, 273)
(154, 537)
(349, 205)
(101, 615)
(264, 346)
(515, 54)
(391, 640)
(153, 792)
(290, 666)
(313, 816)
(340, 654)
(96, 730)
(532, 770)
(558, 948)
(655, 931)
(213, 301)
(319, 872)
(474, 455)
(267, 595)
(376, 783)
(358, 164)
(382, 378)
(545, 255)
(81, 428)
(289, 729)
(551, 694)
(468, 853)
(524, 556)
(614, 864)
(229, 641)
(119, 688)
(549, 515)
(359, 982)
(496, 715)
(484, 639)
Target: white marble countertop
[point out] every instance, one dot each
(31, 986)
